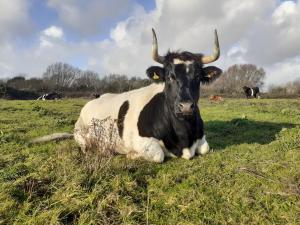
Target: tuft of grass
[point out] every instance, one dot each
(252, 177)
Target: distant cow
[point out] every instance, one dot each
(162, 119)
(216, 98)
(251, 92)
(95, 95)
(50, 96)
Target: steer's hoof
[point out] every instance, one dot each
(186, 154)
(203, 149)
(159, 157)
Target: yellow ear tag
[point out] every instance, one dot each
(155, 76)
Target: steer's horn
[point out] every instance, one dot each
(215, 55)
(156, 57)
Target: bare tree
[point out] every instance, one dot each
(36, 84)
(86, 80)
(235, 77)
(291, 89)
(61, 75)
(17, 82)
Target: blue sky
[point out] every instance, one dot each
(114, 36)
(45, 16)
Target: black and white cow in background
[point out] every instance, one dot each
(96, 95)
(251, 92)
(50, 96)
(162, 119)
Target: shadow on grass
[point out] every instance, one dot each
(222, 134)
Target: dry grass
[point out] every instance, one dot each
(252, 177)
(101, 140)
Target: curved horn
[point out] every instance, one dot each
(215, 55)
(156, 57)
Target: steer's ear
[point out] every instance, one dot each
(211, 73)
(156, 74)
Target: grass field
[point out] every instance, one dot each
(251, 177)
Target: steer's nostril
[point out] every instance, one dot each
(186, 107)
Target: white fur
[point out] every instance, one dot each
(186, 63)
(131, 144)
(179, 61)
(203, 147)
(187, 69)
(200, 147)
(107, 106)
(188, 153)
(252, 92)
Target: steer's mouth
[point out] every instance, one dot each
(185, 114)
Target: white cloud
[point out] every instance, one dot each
(286, 11)
(89, 17)
(14, 19)
(260, 32)
(54, 32)
(283, 72)
(184, 25)
(51, 35)
(266, 33)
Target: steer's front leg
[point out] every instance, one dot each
(150, 149)
(188, 153)
(203, 147)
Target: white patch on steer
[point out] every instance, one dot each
(151, 151)
(186, 63)
(179, 61)
(155, 152)
(187, 69)
(188, 153)
(108, 105)
(203, 147)
(252, 92)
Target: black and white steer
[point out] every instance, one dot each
(50, 96)
(162, 119)
(251, 92)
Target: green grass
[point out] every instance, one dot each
(251, 177)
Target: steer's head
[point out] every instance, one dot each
(182, 73)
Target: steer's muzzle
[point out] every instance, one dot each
(186, 108)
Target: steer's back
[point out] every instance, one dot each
(105, 106)
(108, 106)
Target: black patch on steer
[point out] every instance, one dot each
(121, 116)
(248, 92)
(158, 121)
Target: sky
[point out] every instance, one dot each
(114, 36)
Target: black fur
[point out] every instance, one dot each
(121, 116)
(173, 115)
(50, 96)
(248, 92)
(184, 56)
(158, 120)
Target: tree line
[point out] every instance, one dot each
(74, 82)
